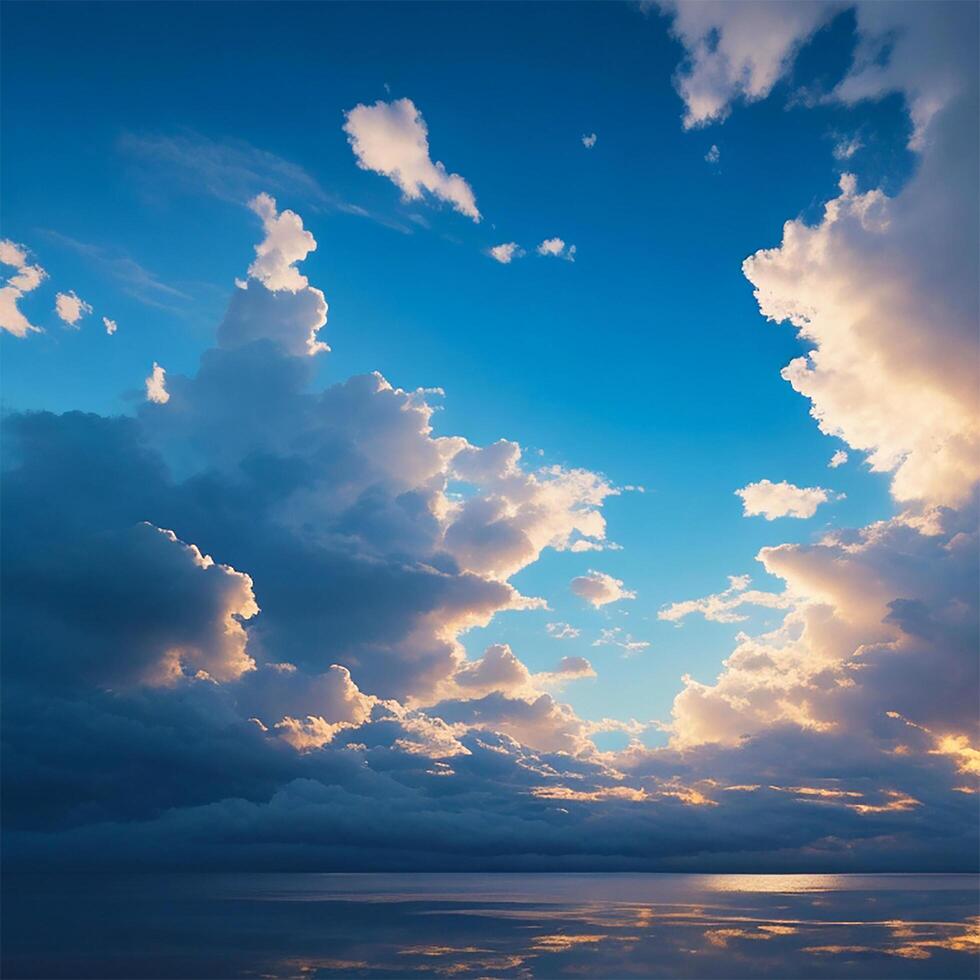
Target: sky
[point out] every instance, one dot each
(549, 428)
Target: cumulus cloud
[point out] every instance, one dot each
(713, 155)
(723, 607)
(838, 459)
(286, 242)
(772, 500)
(156, 386)
(392, 139)
(736, 51)
(277, 302)
(506, 252)
(599, 589)
(556, 247)
(892, 370)
(26, 278)
(589, 140)
(110, 325)
(343, 723)
(70, 307)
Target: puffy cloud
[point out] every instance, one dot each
(883, 288)
(392, 139)
(879, 612)
(506, 252)
(600, 589)
(838, 459)
(737, 50)
(26, 278)
(286, 242)
(277, 302)
(723, 606)
(891, 371)
(713, 155)
(589, 140)
(70, 307)
(772, 500)
(110, 325)
(556, 248)
(156, 385)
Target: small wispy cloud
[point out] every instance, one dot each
(233, 171)
(562, 631)
(618, 637)
(134, 279)
(589, 141)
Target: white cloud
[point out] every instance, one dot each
(772, 500)
(110, 325)
(882, 288)
(506, 252)
(846, 147)
(736, 50)
(589, 141)
(838, 459)
(562, 631)
(722, 607)
(286, 242)
(71, 308)
(616, 636)
(713, 155)
(392, 139)
(600, 589)
(556, 248)
(156, 386)
(277, 302)
(27, 278)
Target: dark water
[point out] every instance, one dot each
(468, 926)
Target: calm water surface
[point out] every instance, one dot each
(528, 926)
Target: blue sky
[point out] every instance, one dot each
(646, 359)
(135, 135)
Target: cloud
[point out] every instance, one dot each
(618, 637)
(589, 141)
(736, 51)
(277, 302)
(286, 242)
(846, 147)
(892, 367)
(135, 280)
(506, 252)
(71, 308)
(110, 325)
(723, 606)
(156, 386)
(562, 631)
(772, 500)
(556, 247)
(713, 155)
(838, 459)
(600, 589)
(26, 279)
(392, 139)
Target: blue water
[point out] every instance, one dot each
(468, 926)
